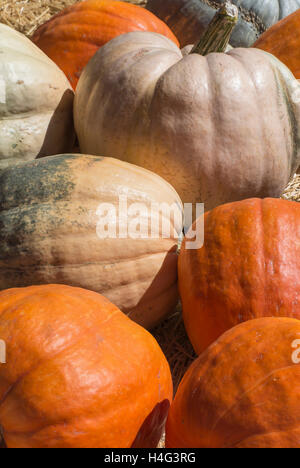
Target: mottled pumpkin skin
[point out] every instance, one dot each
(72, 37)
(243, 392)
(249, 267)
(189, 18)
(36, 102)
(49, 232)
(79, 373)
(283, 41)
(219, 128)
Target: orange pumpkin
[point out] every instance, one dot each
(73, 36)
(243, 392)
(283, 41)
(79, 373)
(249, 267)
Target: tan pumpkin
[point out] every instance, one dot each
(79, 373)
(36, 102)
(219, 128)
(53, 230)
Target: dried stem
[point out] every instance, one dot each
(217, 36)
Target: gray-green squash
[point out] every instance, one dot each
(189, 18)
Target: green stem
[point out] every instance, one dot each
(216, 37)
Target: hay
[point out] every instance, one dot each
(172, 337)
(27, 15)
(293, 190)
(173, 340)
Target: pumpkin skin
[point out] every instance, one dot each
(243, 392)
(72, 37)
(189, 18)
(160, 110)
(283, 41)
(68, 381)
(249, 267)
(36, 102)
(49, 233)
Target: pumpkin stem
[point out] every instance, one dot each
(216, 37)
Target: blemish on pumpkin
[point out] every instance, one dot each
(34, 182)
(259, 357)
(141, 53)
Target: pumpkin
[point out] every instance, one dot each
(62, 221)
(188, 18)
(249, 267)
(36, 102)
(219, 128)
(283, 41)
(73, 36)
(243, 392)
(79, 373)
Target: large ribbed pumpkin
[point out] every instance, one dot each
(249, 267)
(73, 36)
(78, 373)
(219, 128)
(52, 230)
(283, 41)
(188, 18)
(243, 392)
(36, 102)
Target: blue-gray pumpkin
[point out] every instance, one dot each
(189, 18)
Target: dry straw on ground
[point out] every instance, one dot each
(172, 337)
(26, 16)
(293, 190)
